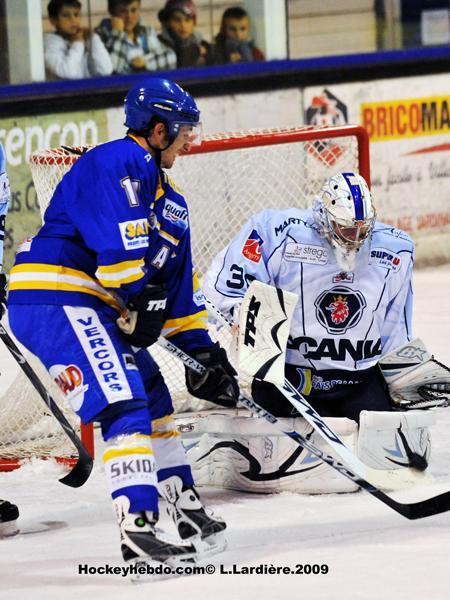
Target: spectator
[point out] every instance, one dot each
(72, 52)
(133, 47)
(178, 19)
(233, 43)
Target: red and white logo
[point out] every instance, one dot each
(69, 379)
(252, 247)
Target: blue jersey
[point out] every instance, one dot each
(114, 225)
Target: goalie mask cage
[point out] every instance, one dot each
(225, 180)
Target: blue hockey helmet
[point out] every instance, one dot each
(162, 98)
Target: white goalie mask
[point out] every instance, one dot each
(345, 214)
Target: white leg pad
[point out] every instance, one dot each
(394, 440)
(233, 449)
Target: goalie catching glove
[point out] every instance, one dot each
(143, 323)
(219, 383)
(415, 379)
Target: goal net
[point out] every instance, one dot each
(225, 180)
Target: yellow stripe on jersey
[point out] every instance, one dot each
(168, 237)
(115, 453)
(46, 268)
(40, 276)
(172, 184)
(115, 275)
(159, 190)
(196, 321)
(195, 281)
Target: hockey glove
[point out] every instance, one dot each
(218, 384)
(415, 378)
(143, 324)
(2, 294)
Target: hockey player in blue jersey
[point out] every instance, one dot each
(350, 349)
(116, 235)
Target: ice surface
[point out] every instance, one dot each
(372, 552)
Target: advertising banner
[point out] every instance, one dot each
(21, 136)
(408, 122)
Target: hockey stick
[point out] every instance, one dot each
(83, 467)
(415, 510)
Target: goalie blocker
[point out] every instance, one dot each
(242, 452)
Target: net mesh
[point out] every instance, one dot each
(28, 429)
(225, 180)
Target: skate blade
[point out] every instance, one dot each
(147, 570)
(213, 544)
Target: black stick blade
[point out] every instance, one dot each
(80, 472)
(418, 510)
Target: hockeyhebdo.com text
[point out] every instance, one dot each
(143, 569)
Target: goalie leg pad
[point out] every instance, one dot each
(393, 440)
(246, 454)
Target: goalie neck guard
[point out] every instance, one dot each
(345, 214)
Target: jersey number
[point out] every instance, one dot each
(131, 187)
(238, 278)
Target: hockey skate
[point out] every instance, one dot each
(9, 513)
(194, 523)
(143, 543)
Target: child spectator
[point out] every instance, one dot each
(233, 43)
(133, 47)
(72, 52)
(178, 19)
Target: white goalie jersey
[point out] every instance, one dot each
(342, 320)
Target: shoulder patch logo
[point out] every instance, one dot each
(176, 214)
(380, 257)
(252, 247)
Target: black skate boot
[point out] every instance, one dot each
(193, 521)
(9, 513)
(142, 543)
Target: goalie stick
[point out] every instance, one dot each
(413, 510)
(83, 467)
